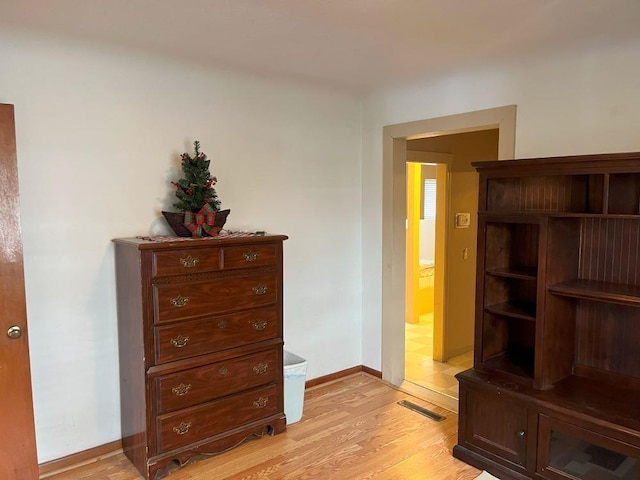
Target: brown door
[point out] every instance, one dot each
(18, 459)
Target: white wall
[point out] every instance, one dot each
(427, 234)
(427, 241)
(99, 132)
(578, 103)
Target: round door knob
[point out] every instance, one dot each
(14, 332)
(522, 434)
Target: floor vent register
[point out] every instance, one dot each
(421, 410)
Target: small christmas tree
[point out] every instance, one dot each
(196, 190)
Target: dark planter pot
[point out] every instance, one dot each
(176, 221)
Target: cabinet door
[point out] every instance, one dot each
(566, 451)
(497, 424)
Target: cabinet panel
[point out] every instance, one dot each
(609, 250)
(199, 385)
(607, 337)
(497, 424)
(566, 451)
(556, 193)
(184, 301)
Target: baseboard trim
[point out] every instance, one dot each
(459, 351)
(341, 374)
(371, 371)
(47, 469)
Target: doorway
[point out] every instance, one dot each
(433, 354)
(427, 188)
(428, 136)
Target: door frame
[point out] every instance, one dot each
(394, 194)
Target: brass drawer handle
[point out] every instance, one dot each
(223, 370)
(260, 325)
(260, 289)
(223, 324)
(181, 389)
(179, 301)
(250, 256)
(260, 368)
(261, 402)
(189, 262)
(180, 341)
(182, 428)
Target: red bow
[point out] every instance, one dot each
(202, 221)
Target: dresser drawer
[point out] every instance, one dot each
(197, 337)
(197, 423)
(188, 300)
(180, 262)
(199, 385)
(249, 256)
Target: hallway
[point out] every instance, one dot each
(421, 369)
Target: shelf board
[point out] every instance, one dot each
(520, 367)
(523, 273)
(549, 213)
(523, 311)
(598, 291)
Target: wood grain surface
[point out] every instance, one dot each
(352, 429)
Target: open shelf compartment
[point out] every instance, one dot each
(624, 194)
(508, 345)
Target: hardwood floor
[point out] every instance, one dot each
(422, 369)
(352, 429)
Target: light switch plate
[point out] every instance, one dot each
(463, 220)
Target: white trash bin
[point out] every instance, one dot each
(295, 375)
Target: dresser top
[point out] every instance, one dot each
(170, 242)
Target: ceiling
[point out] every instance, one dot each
(358, 45)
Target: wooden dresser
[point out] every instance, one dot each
(200, 340)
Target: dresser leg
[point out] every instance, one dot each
(279, 426)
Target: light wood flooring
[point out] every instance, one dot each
(422, 369)
(351, 429)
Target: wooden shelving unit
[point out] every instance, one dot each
(557, 343)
